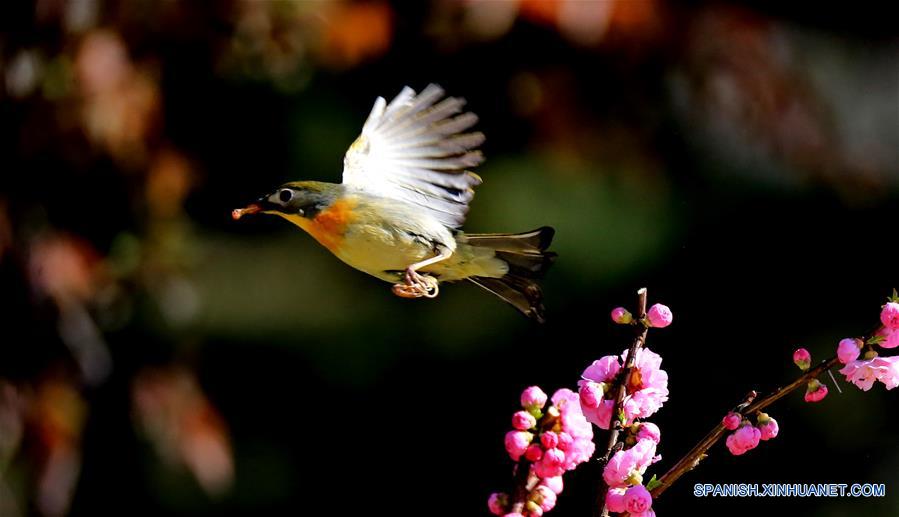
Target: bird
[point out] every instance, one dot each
(404, 196)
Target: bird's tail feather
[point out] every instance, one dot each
(528, 260)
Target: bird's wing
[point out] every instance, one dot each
(414, 150)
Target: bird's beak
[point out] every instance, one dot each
(252, 208)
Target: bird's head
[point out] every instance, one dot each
(302, 199)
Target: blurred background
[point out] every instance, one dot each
(158, 358)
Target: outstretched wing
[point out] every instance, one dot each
(414, 150)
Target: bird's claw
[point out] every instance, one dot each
(417, 286)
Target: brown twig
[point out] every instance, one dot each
(747, 408)
(524, 482)
(621, 386)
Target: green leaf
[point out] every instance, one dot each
(895, 297)
(875, 340)
(653, 482)
(621, 416)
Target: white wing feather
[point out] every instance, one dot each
(414, 150)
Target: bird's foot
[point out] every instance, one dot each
(417, 286)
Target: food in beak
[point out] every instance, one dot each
(237, 213)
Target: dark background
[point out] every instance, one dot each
(737, 159)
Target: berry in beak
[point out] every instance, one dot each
(237, 213)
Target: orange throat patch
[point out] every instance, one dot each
(329, 225)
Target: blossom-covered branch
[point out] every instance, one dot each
(863, 372)
(619, 392)
(633, 390)
(546, 441)
(748, 407)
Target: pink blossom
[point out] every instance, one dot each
(513, 514)
(647, 386)
(591, 394)
(517, 443)
(522, 420)
(889, 316)
(625, 463)
(890, 374)
(646, 402)
(743, 439)
(767, 427)
(603, 369)
(615, 500)
(637, 499)
(864, 372)
(497, 503)
(891, 338)
(815, 391)
(565, 441)
(621, 315)
(549, 439)
(575, 425)
(533, 398)
(802, 358)
(544, 497)
(553, 483)
(647, 513)
(646, 360)
(848, 350)
(601, 416)
(659, 316)
(732, 421)
(649, 431)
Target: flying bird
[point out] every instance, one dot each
(398, 213)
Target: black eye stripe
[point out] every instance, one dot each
(285, 195)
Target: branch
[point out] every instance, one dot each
(621, 385)
(524, 483)
(748, 407)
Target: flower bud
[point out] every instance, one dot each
(544, 497)
(802, 359)
(767, 426)
(889, 316)
(522, 420)
(743, 439)
(649, 431)
(621, 316)
(659, 316)
(549, 440)
(615, 500)
(533, 453)
(497, 503)
(551, 465)
(848, 350)
(890, 337)
(732, 421)
(517, 443)
(533, 397)
(815, 391)
(637, 499)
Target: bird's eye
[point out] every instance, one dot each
(285, 195)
